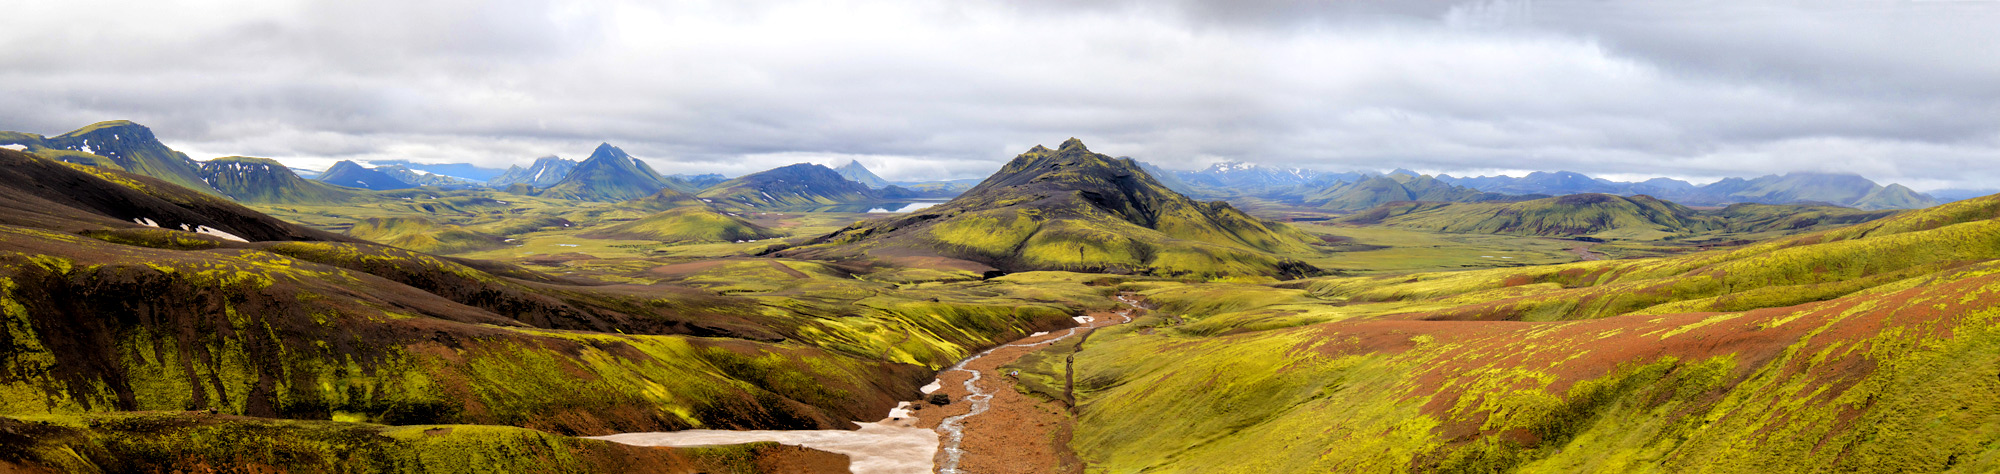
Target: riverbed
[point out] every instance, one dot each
(903, 442)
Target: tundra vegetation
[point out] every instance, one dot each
(318, 328)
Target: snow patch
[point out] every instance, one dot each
(145, 222)
(935, 385)
(218, 233)
(15, 147)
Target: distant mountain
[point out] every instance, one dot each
(463, 171)
(117, 144)
(1839, 189)
(608, 175)
(260, 180)
(547, 171)
(1382, 189)
(353, 175)
(1071, 209)
(1605, 216)
(1955, 195)
(802, 184)
(698, 182)
(1541, 182)
(942, 188)
(1249, 177)
(1167, 178)
(416, 177)
(853, 171)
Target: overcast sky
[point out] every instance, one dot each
(1904, 91)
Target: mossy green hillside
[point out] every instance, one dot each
(200, 442)
(1895, 381)
(1605, 216)
(609, 174)
(424, 235)
(1074, 210)
(316, 330)
(261, 180)
(693, 223)
(117, 144)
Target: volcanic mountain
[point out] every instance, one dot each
(1071, 209)
(353, 175)
(803, 184)
(1381, 189)
(547, 171)
(853, 171)
(260, 180)
(608, 175)
(116, 144)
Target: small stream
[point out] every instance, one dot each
(890, 446)
(981, 400)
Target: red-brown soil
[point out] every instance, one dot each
(1018, 433)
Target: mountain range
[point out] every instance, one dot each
(1838, 189)
(545, 172)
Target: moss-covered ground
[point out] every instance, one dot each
(1867, 349)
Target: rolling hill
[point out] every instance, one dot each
(423, 235)
(1605, 216)
(265, 181)
(608, 175)
(1866, 348)
(685, 224)
(1071, 209)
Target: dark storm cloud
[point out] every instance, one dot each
(1894, 90)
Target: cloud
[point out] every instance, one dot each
(919, 90)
